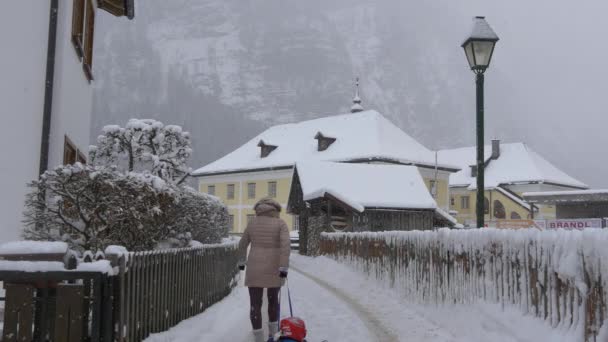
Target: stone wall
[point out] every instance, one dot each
(315, 226)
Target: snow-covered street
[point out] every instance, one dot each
(339, 304)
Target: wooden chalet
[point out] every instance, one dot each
(349, 197)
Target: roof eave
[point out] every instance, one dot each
(235, 171)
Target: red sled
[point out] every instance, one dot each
(292, 329)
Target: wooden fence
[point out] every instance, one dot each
(559, 277)
(156, 290)
(133, 296)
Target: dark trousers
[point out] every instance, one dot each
(255, 298)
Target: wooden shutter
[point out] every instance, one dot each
(88, 40)
(69, 152)
(78, 26)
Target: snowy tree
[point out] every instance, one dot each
(132, 195)
(145, 145)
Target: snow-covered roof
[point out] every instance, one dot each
(517, 163)
(591, 195)
(514, 197)
(366, 185)
(448, 217)
(362, 135)
(481, 30)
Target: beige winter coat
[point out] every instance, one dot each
(270, 246)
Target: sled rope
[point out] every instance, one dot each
(289, 298)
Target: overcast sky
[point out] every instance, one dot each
(554, 54)
(545, 87)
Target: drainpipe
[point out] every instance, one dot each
(48, 87)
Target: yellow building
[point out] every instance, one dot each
(510, 170)
(263, 167)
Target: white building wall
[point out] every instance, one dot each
(72, 95)
(24, 28)
(24, 36)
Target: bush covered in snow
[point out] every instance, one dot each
(132, 195)
(205, 215)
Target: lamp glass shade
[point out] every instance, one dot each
(479, 53)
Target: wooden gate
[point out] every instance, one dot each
(57, 306)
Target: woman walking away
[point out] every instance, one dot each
(267, 263)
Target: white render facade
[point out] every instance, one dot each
(23, 66)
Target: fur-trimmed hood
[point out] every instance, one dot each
(267, 207)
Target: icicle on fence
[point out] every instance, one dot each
(558, 276)
(155, 290)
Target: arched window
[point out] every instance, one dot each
(515, 216)
(340, 219)
(486, 206)
(499, 210)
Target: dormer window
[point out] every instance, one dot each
(265, 149)
(323, 142)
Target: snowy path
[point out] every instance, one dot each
(341, 305)
(327, 316)
(374, 325)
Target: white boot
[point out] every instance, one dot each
(258, 335)
(273, 329)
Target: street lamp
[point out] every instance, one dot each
(478, 48)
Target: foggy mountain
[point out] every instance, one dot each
(226, 69)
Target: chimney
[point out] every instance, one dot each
(473, 170)
(495, 148)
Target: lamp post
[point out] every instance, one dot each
(478, 48)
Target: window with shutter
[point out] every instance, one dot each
(87, 62)
(69, 152)
(78, 26)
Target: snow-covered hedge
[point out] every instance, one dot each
(92, 207)
(558, 276)
(205, 216)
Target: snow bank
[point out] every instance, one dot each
(102, 266)
(117, 250)
(558, 276)
(33, 247)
